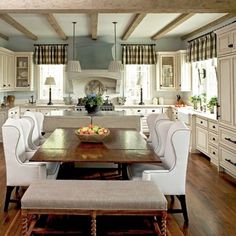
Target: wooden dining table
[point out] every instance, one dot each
(122, 146)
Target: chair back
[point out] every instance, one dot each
(177, 147)
(154, 139)
(161, 128)
(36, 134)
(27, 127)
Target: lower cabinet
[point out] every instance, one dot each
(227, 151)
(207, 138)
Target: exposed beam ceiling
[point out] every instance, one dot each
(53, 22)
(94, 25)
(4, 36)
(179, 20)
(208, 26)
(118, 6)
(18, 26)
(130, 29)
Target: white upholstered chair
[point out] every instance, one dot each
(171, 176)
(19, 171)
(36, 118)
(151, 122)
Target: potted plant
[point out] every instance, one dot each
(212, 103)
(93, 102)
(194, 100)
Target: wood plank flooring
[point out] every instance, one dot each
(211, 199)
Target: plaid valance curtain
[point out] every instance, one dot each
(138, 54)
(50, 54)
(202, 48)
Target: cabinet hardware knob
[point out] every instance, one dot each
(230, 140)
(213, 127)
(231, 162)
(213, 139)
(4, 85)
(139, 110)
(153, 110)
(231, 45)
(201, 122)
(213, 153)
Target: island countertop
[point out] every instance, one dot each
(76, 114)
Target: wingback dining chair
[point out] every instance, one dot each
(19, 171)
(37, 119)
(151, 122)
(170, 177)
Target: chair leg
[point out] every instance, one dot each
(8, 197)
(182, 200)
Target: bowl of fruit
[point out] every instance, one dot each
(92, 134)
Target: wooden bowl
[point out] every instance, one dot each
(92, 138)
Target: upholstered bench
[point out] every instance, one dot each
(94, 198)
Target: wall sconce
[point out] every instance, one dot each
(50, 81)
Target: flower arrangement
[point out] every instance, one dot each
(93, 100)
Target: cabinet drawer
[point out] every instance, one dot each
(154, 110)
(213, 138)
(213, 126)
(213, 152)
(227, 138)
(202, 122)
(227, 160)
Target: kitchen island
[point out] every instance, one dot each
(76, 119)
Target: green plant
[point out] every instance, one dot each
(93, 100)
(212, 102)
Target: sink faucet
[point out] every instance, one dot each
(32, 101)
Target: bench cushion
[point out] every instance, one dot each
(94, 195)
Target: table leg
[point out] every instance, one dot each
(124, 171)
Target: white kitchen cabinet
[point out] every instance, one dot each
(14, 112)
(226, 40)
(184, 79)
(226, 52)
(6, 70)
(24, 71)
(202, 135)
(173, 71)
(166, 71)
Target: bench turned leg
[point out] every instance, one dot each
(93, 225)
(24, 222)
(163, 224)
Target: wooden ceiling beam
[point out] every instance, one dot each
(118, 6)
(176, 22)
(135, 22)
(53, 22)
(94, 25)
(208, 26)
(11, 21)
(4, 36)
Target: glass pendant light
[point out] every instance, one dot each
(73, 65)
(115, 66)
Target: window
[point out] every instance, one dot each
(137, 77)
(56, 71)
(204, 78)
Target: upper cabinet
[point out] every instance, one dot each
(23, 71)
(226, 40)
(173, 71)
(166, 72)
(6, 70)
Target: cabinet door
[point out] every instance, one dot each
(167, 72)
(202, 140)
(225, 90)
(10, 72)
(22, 72)
(224, 42)
(234, 91)
(184, 79)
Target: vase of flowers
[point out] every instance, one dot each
(93, 102)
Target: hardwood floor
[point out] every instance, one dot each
(211, 198)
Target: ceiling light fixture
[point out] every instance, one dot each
(73, 65)
(115, 66)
